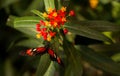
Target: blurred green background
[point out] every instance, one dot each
(12, 64)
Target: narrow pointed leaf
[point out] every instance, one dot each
(73, 57)
(59, 5)
(28, 31)
(87, 32)
(27, 25)
(50, 71)
(100, 25)
(49, 4)
(10, 21)
(106, 48)
(69, 71)
(26, 21)
(32, 43)
(43, 65)
(38, 13)
(100, 61)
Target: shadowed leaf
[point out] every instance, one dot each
(102, 26)
(87, 32)
(74, 60)
(43, 65)
(100, 61)
(50, 71)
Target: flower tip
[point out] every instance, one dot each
(45, 15)
(52, 34)
(49, 38)
(50, 10)
(63, 9)
(38, 36)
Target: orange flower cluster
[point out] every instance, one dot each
(53, 19)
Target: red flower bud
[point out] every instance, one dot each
(38, 25)
(42, 22)
(65, 31)
(71, 13)
(52, 34)
(38, 29)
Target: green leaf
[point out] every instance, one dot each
(28, 31)
(38, 13)
(9, 70)
(10, 20)
(103, 26)
(26, 22)
(116, 57)
(32, 43)
(113, 48)
(115, 11)
(43, 65)
(87, 32)
(69, 71)
(50, 71)
(5, 3)
(100, 61)
(49, 4)
(27, 25)
(105, 1)
(58, 4)
(73, 57)
(35, 4)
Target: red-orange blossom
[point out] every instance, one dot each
(54, 19)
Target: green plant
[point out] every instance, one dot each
(72, 56)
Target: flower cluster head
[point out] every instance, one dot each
(54, 19)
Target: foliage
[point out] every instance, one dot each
(97, 25)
